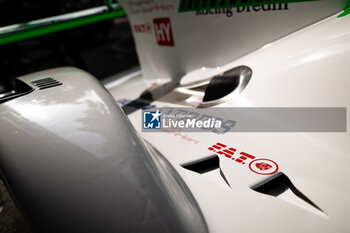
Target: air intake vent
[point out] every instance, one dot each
(207, 165)
(280, 186)
(46, 83)
(203, 166)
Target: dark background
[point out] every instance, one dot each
(102, 49)
(20, 11)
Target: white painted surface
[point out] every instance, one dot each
(306, 69)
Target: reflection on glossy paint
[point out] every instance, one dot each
(327, 52)
(267, 46)
(70, 118)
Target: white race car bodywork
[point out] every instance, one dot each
(307, 68)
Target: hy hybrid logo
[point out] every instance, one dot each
(163, 31)
(151, 120)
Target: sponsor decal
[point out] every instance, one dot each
(163, 31)
(148, 6)
(152, 119)
(143, 28)
(263, 166)
(198, 5)
(344, 13)
(258, 166)
(229, 12)
(182, 136)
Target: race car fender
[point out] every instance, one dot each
(74, 163)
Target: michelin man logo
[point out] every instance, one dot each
(151, 119)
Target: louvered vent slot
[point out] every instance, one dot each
(46, 83)
(203, 166)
